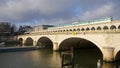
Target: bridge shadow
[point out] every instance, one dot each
(28, 42)
(84, 50)
(77, 43)
(117, 57)
(45, 42)
(117, 60)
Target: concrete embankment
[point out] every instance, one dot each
(14, 49)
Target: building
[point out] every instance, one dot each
(5, 30)
(41, 27)
(5, 27)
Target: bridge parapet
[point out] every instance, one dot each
(75, 32)
(104, 27)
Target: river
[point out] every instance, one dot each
(46, 58)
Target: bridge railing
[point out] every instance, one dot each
(102, 27)
(76, 32)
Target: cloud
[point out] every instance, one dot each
(24, 10)
(56, 11)
(102, 11)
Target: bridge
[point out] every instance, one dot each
(102, 33)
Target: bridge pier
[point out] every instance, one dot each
(55, 46)
(23, 43)
(108, 54)
(34, 43)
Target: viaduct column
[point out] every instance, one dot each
(108, 54)
(23, 43)
(34, 43)
(55, 46)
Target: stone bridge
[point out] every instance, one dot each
(105, 35)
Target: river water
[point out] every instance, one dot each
(46, 58)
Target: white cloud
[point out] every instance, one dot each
(17, 9)
(56, 11)
(102, 11)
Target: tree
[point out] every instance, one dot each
(20, 30)
(23, 29)
(13, 30)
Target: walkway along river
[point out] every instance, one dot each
(46, 58)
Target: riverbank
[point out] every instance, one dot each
(19, 48)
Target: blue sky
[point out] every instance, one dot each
(37, 12)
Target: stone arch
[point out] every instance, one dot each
(44, 42)
(82, 29)
(93, 28)
(113, 27)
(67, 30)
(20, 41)
(58, 30)
(105, 28)
(99, 28)
(119, 27)
(87, 29)
(79, 39)
(117, 56)
(70, 30)
(78, 42)
(74, 29)
(29, 42)
(78, 29)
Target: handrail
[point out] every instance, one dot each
(86, 22)
(75, 32)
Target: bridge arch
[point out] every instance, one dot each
(70, 41)
(99, 28)
(117, 56)
(60, 30)
(74, 29)
(20, 41)
(29, 41)
(93, 28)
(105, 28)
(44, 42)
(78, 29)
(78, 42)
(113, 27)
(87, 29)
(119, 27)
(82, 29)
(70, 30)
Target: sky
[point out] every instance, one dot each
(56, 12)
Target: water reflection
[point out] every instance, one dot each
(108, 65)
(46, 58)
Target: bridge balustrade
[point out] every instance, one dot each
(106, 27)
(77, 32)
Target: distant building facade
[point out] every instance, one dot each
(41, 27)
(5, 30)
(27, 29)
(5, 27)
